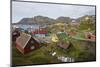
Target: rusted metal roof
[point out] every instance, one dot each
(23, 39)
(64, 45)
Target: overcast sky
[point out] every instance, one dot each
(27, 10)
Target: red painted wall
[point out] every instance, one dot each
(40, 31)
(29, 45)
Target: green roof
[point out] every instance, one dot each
(62, 36)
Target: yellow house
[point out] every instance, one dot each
(54, 38)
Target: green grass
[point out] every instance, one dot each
(39, 56)
(42, 55)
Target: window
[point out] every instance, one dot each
(32, 42)
(32, 47)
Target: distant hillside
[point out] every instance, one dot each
(91, 17)
(36, 20)
(41, 20)
(26, 21)
(64, 19)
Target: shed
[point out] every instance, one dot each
(63, 40)
(25, 43)
(41, 32)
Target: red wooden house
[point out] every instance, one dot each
(89, 35)
(41, 32)
(25, 43)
